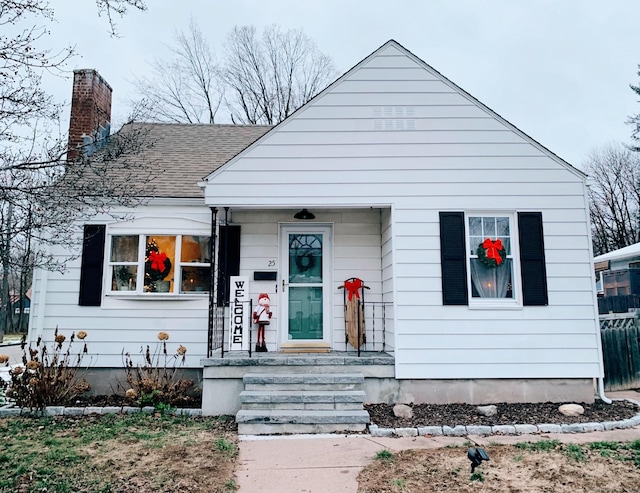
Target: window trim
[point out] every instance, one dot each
(178, 265)
(476, 303)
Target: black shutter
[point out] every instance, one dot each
(91, 265)
(228, 259)
(532, 262)
(453, 257)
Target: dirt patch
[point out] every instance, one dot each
(563, 469)
(136, 453)
(188, 464)
(508, 414)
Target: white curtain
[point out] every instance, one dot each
(491, 282)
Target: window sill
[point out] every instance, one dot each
(159, 296)
(492, 305)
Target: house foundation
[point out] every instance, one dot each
(223, 381)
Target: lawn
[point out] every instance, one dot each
(118, 453)
(544, 466)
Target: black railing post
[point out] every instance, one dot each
(212, 270)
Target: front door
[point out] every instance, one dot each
(306, 254)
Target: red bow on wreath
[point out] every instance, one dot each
(157, 260)
(493, 249)
(353, 287)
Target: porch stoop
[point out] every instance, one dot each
(301, 403)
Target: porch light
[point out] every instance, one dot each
(304, 214)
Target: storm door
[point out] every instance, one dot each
(306, 255)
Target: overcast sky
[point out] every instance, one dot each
(557, 69)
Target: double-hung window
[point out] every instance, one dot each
(176, 264)
(491, 259)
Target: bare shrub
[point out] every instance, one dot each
(50, 374)
(157, 381)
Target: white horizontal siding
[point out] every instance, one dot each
(334, 138)
(356, 252)
(387, 277)
(394, 133)
(121, 324)
(438, 125)
(433, 164)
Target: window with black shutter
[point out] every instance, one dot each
(532, 259)
(228, 260)
(453, 258)
(479, 259)
(91, 265)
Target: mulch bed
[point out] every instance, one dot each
(508, 414)
(114, 400)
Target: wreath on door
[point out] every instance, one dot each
(305, 260)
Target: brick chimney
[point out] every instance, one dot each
(90, 108)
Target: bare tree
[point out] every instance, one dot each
(42, 194)
(614, 194)
(271, 77)
(111, 8)
(635, 121)
(186, 88)
(260, 81)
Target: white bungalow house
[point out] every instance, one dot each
(472, 239)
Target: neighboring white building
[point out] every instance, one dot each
(406, 175)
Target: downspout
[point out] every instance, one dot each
(600, 378)
(603, 397)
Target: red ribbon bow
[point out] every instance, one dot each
(157, 260)
(353, 287)
(493, 249)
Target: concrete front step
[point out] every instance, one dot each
(303, 381)
(261, 422)
(303, 399)
(289, 428)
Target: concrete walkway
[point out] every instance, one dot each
(331, 463)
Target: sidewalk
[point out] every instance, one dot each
(331, 463)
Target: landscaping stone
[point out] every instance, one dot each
(593, 427)
(110, 410)
(73, 411)
(456, 431)
(549, 428)
(406, 432)
(571, 410)
(503, 430)
(573, 428)
(526, 429)
(490, 410)
(402, 411)
(374, 431)
(430, 430)
(479, 430)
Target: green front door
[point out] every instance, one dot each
(304, 282)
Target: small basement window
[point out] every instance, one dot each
(176, 264)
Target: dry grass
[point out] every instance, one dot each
(528, 467)
(117, 453)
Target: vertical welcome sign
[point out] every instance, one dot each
(239, 314)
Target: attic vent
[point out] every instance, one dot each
(394, 118)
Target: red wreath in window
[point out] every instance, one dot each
(491, 253)
(157, 265)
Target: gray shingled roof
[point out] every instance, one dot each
(186, 153)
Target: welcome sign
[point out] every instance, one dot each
(239, 314)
